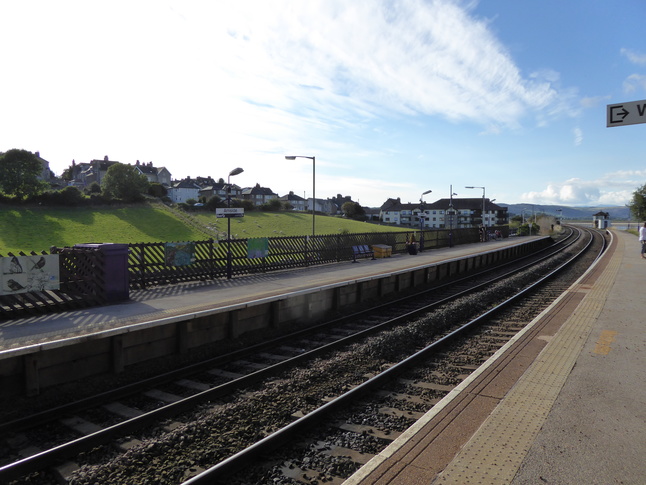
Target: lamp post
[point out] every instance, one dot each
(421, 220)
(451, 213)
(233, 172)
(294, 157)
(484, 238)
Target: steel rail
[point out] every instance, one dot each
(67, 450)
(129, 389)
(289, 432)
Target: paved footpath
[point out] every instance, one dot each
(596, 430)
(564, 404)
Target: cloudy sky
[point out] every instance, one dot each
(393, 98)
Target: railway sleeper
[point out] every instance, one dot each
(225, 374)
(416, 400)
(308, 475)
(343, 452)
(404, 413)
(63, 472)
(366, 430)
(427, 385)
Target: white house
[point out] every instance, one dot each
(183, 190)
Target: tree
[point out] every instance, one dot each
(352, 210)
(157, 190)
(637, 205)
(273, 205)
(93, 188)
(125, 182)
(19, 170)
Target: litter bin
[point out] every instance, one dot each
(115, 269)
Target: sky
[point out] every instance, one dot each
(392, 97)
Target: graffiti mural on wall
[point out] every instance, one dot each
(22, 274)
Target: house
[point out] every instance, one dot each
(444, 213)
(339, 200)
(221, 190)
(158, 175)
(45, 174)
(84, 174)
(183, 190)
(324, 206)
(297, 202)
(94, 171)
(258, 195)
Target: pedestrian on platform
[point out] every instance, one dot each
(642, 239)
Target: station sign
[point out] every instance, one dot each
(630, 113)
(229, 212)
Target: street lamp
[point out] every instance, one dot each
(451, 213)
(294, 157)
(233, 172)
(483, 204)
(421, 220)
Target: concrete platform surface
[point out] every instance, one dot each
(563, 403)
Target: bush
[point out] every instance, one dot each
(274, 205)
(69, 196)
(157, 190)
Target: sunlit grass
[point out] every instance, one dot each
(38, 228)
(267, 224)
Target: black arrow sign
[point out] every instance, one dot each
(623, 113)
(628, 113)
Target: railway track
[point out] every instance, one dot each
(280, 385)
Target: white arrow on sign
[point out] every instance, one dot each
(630, 113)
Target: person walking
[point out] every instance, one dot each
(642, 239)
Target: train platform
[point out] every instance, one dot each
(164, 302)
(563, 403)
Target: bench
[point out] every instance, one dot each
(362, 250)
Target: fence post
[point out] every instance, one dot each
(212, 258)
(142, 265)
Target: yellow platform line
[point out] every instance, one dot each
(495, 452)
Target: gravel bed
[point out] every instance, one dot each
(211, 434)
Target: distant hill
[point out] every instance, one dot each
(617, 213)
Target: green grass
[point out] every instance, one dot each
(38, 228)
(273, 224)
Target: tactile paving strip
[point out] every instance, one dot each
(497, 449)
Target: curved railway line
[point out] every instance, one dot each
(328, 398)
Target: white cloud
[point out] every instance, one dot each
(634, 57)
(635, 82)
(614, 188)
(202, 87)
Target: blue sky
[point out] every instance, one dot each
(393, 98)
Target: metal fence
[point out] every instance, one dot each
(83, 268)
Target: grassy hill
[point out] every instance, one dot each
(38, 228)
